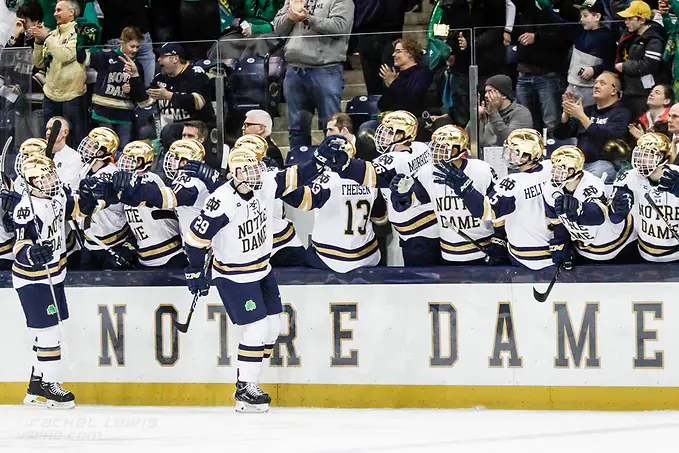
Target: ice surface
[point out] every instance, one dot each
(198, 430)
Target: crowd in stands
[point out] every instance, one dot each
(595, 74)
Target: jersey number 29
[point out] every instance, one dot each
(360, 206)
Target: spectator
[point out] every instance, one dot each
(491, 55)
(199, 22)
(66, 159)
(596, 125)
(542, 59)
(256, 16)
(120, 14)
(65, 83)
(259, 122)
(669, 23)
(182, 92)
(405, 89)
(28, 15)
(119, 86)
(315, 76)
(659, 102)
(593, 50)
(640, 54)
(673, 130)
(499, 114)
(382, 22)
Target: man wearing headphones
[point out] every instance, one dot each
(596, 125)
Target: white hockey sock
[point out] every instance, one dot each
(274, 331)
(251, 350)
(37, 369)
(48, 353)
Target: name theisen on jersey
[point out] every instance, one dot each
(658, 231)
(355, 189)
(450, 203)
(252, 232)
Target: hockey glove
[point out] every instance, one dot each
(197, 281)
(623, 200)
(8, 223)
(122, 180)
(497, 251)
(569, 206)
(669, 182)
(40, 254)
(202, 171)
(560, 250)
(451, 176)
(9, 200)
(332, 153)
(402, 184)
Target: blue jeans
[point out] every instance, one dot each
(145, 57)
(308, 90)
(74, 111)
(124, 132)
(599, 167)
(541, 94)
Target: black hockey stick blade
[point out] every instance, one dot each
(541, 297)
(183, 328)
(54, 133)
(4, 180)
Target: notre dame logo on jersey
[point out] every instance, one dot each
(507, 184)
(23, 213)
(212, 204)
(589, 192)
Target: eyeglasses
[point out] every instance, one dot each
(246, 125)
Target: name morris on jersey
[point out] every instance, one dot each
(418, 162)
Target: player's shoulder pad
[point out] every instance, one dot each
(507, 185)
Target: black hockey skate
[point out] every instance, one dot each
(34, 394)
(251, 398)
(57, 397)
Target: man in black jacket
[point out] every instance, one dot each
(384, 20)
(542, 59)
(491, 55)
(640, 54)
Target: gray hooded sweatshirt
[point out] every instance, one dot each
(326, 17)
(494, 128)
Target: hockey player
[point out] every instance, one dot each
(652, 175)
(342, 238)
(458, 187)
(236, 222)
(518, 208)
(577, 207)
(39, 270)
(417, 226)
(156, 230)
(108, 227)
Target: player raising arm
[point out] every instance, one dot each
(236, 222)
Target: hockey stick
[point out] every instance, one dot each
(4, 180)
(656, 208)
(541, 297)
(183, 328)
(54, 133)
(473, 242)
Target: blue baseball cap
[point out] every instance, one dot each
(171, 48)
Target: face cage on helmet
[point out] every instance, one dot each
(48, 184)
(252, 175)
(171, 165)
(645, 160)
(560, 175)
(88, 150)
(384, 138)
(128, 163)
(512, 157)
(443, 152)
(21, 157)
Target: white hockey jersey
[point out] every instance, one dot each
(284, 230)
(594, 236)
(343, 235)
(69, 166)
(656, 242)
(453, 215)
(156, 230)
(46, 224)
(416, 221)
(189, 188)
(518, 205)
(107, 225)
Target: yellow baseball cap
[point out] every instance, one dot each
(637, 9)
